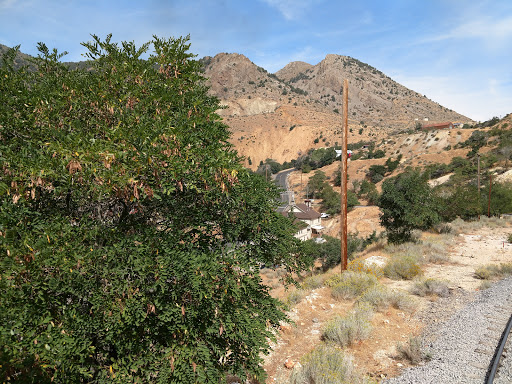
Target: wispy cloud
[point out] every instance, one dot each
(493, 31)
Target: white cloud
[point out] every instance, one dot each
(493, 31)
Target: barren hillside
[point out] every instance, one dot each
(283, 115)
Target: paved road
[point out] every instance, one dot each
(281, 178)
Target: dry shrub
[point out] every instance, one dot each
(443, 228)
(411, 350)
(358, 265)
(402, 267)
(430, 287)
(327, 365)
(435, 253)
(494, 271)
(381, 298)
(295, 297)
(485, 284)
(428, 251)
(344, 331)
(350, 285)
(313, 282)
(377, 246)
(461, 226)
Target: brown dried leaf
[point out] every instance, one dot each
(74, 166)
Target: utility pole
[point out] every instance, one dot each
(489, 205)
(478, 186)
(344, 188)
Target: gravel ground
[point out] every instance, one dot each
(462, 341)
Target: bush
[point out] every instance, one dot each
(313, 282)
(430, 287)
(411, 350)
(407, 202)
(329, 253)
(402, 268)
(350, 284)
(359, 265)
(295, 297)
(116, 265)
(356, 326)
(443, 228)
(381, 298)
(327, 365)
(493, 271)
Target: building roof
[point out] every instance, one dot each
(439, 125)
(306, 212)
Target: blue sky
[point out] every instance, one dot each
(456, 52)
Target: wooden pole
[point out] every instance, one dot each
(478, 186)
(344, 137)
(489, 206)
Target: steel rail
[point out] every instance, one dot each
(499, 351)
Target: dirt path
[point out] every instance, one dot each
(482, 246)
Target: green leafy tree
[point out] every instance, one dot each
(407, 202)
(130, 234)
(316, 184)
(376, 173)
(461, 200)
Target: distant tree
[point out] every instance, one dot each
(316, 184)
(376, 172)
(407, 202)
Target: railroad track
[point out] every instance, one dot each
(500, 369)
(464, 349)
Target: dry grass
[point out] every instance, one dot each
(350, 285)
(461, 226)
(431, 250)
(411, 350)
(295, 297)
(358, 265)
(494, 271)
(430, 287)
(381, 298)
(344, 331)
(327, 364)
(313, 282)
(402, 267)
